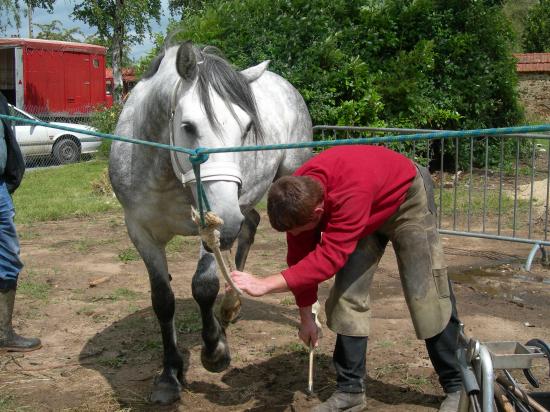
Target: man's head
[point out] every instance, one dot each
(294, 203)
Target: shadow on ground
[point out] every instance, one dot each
(128, 354)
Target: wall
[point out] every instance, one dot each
(534, 91)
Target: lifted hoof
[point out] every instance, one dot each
(230, 308)
(218, 360)
(165, 390)
(230, 315)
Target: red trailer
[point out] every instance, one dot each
(52, 77)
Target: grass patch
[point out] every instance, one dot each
(178, 243)
(385, 344)
(27, 233)
(472, 202)
(118, 295)
(6, 403)
(114, 363)
(388, 370)
(188, 322)
(31, 287)
(150, 345)
(61, 192)
(296, 347)
(416, 382)
(128, 255)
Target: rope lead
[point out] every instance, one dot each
(210, 234)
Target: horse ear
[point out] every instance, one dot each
(186, 61)
(253, 73)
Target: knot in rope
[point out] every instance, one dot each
(209, 230)
(198, 157)
(210, 234)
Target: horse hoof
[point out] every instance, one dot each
(165, 391)
(230, 315)
(217, 360)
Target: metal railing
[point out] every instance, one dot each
(490, 187)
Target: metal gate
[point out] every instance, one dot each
(491, 187)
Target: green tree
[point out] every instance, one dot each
(536, 37)
(119, 23)
(186, 7)
(10, 11)
(56, 31)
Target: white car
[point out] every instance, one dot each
(64, 146)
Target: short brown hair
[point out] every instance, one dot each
(291, 201)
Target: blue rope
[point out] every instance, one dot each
(200, 155)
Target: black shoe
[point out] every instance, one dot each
(9, 340)
(18, 343)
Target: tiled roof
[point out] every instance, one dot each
(128, 73)
(533, 62)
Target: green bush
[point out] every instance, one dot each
(536, 37)
(415, 63)
(437, 64)
(105, 120)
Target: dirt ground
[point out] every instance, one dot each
(102, 345)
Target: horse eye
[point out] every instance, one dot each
(188, 127)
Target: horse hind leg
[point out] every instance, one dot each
(230, 307)
(215, 355)
(168, 384)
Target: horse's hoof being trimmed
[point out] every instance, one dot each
(218, 360)
(165, 391)
(229, 316)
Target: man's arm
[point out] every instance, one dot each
(259, 286)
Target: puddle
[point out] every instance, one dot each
(503, 281)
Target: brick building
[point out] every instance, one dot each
(534, 84)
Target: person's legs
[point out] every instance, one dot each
(10, 266)
(348, 314)
(350, 363)
(426, 286)
(442, 351)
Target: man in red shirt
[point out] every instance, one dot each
(339, 211)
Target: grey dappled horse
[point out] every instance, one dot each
(212, 106)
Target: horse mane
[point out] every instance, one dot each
(216, 72)
(153, 66)
(231, 86)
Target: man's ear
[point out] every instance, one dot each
(319, 211)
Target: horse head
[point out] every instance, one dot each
(213, 106)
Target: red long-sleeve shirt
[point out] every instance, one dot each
(364, 186)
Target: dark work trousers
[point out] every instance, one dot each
(350, 357)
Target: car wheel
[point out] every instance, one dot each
(66, 151)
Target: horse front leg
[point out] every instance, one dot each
(168, 384)
(230, 308)
(215, 355)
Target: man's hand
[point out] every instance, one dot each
(309, 332)
(256, 286)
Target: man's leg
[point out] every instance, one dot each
(348, 313)
(349, 359)
(442, 351)
(426, 286)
